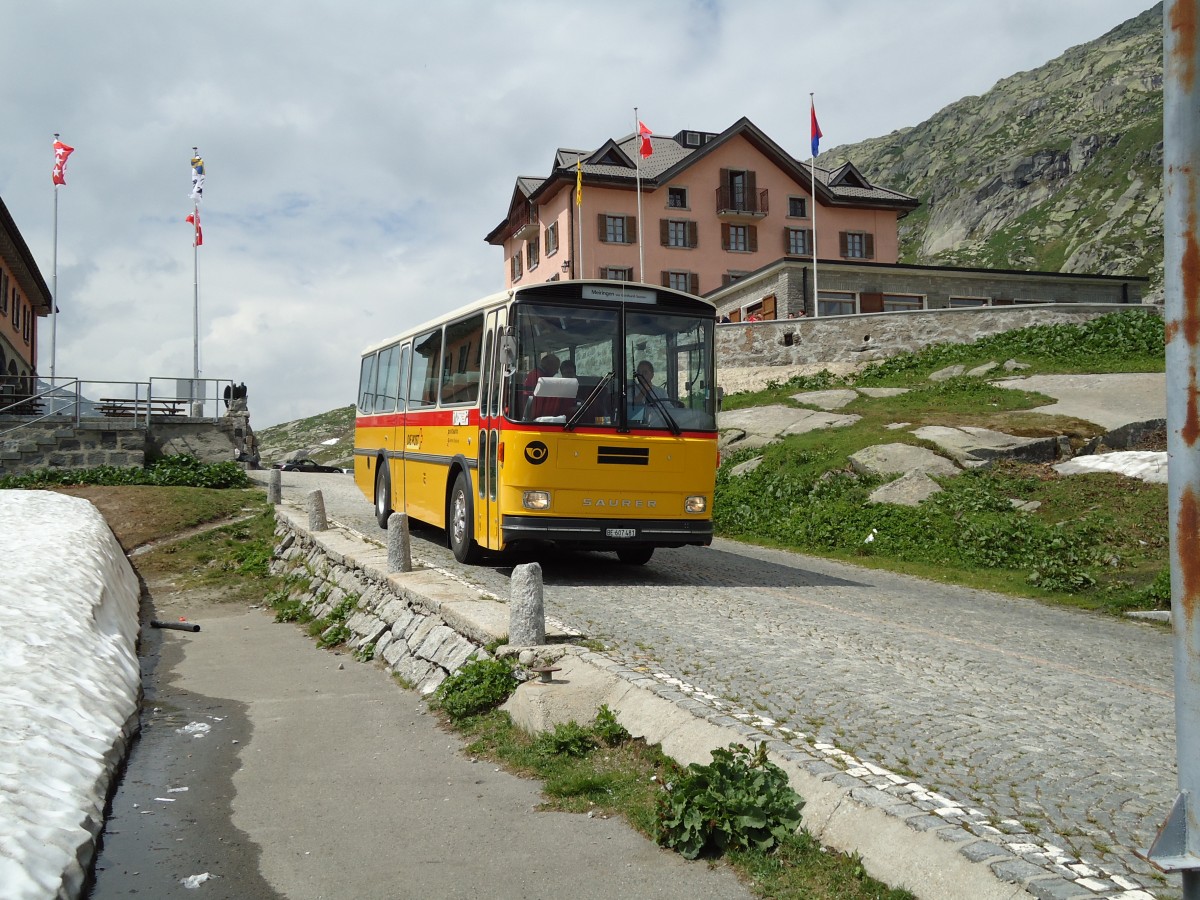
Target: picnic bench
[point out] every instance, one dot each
(118, 407)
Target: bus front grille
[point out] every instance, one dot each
(623, 456)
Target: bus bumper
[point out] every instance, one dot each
(607, 534)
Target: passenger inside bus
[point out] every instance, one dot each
(643, 393)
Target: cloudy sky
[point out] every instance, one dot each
(358, 153)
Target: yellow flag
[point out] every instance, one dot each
(578, 183)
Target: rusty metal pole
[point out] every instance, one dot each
(1177, 847)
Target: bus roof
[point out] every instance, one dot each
(550, 288)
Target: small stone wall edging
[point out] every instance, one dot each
(420, 626)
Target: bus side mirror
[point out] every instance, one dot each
(508, 354)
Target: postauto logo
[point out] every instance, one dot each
(536, 452)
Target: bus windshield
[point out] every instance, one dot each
(627, 368)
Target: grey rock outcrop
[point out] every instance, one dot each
(897, 459)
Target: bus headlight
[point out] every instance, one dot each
(536, 499)
(696, 504)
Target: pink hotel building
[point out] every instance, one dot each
(715, 207)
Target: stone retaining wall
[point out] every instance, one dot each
(391, 622)
(863, 338)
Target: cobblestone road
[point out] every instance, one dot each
(1044, 722)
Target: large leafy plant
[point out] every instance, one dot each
(740, 801)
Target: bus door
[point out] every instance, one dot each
(487, 509)
(397, 467)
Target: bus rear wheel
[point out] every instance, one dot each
(635, 556)
(460, 522)
(383, 496)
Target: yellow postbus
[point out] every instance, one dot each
(581, 413)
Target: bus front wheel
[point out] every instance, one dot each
(460, 522)
(635, 556)
(383, 496)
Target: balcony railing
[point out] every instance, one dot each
(524, 224)
(752, 204)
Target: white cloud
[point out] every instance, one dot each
(358, 154)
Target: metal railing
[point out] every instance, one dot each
(742, 202)
(134, 402)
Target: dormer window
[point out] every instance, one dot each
(692, 138)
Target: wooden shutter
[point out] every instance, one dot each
(694, 284)
(869, 246)
(664, 232)
(725, 237)
(726, 280)
(693, 235)
(752, 193)
(768, 307)
(666, 278)
(630, 230)
(602, 227)
(787, 240)
(870, 302)
(736, 314)
(752, 238)
(843, 244)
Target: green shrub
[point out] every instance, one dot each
(608, 729)
(169, 471)
(567, 739)
(478, 686)
(740, 801)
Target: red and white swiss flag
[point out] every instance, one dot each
(61, 152)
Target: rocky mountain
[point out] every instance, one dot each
(328, 438)
(1055, 169)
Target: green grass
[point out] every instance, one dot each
(1098, 541)
(628, 779)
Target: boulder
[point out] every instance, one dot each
(908, 490)
(899, 459)
(973, 447)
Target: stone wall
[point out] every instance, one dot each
(836, 341)
(93, 442)
(390, 623)
(59, 445)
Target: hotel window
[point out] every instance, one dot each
(742, 238)
(26, 329)
(551, 238)
(682, 281)
(899, 302)
(837, 303)
(617, 229)
(677, 198)
(797, 208)
(616, 273)
(3, 295)
(516, 266)
(797, 242)
(731, 276)
(677, 233)
(856, 245)
(966, 302)
(531, 255)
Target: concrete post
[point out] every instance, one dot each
(399, 545)
(275, 487)
(316, 511)
(526, 614)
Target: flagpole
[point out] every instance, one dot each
(54, 292)
(812, 170)
(638, 163)
(195, 295)
(579, 216)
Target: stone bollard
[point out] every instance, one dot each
(275, 487)
(526, 614)
(399, 546)
(316, 511)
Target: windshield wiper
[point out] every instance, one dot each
(578, 414)
(648, 390)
